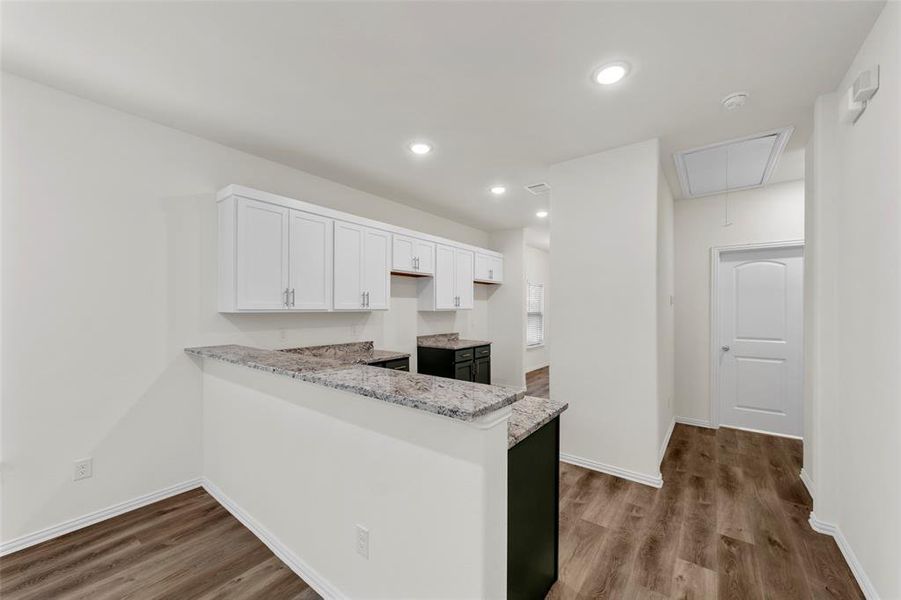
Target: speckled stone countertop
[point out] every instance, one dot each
(447, 341)
(529, 415)
(460, 400)
(351, 353)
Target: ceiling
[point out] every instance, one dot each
(502, 90)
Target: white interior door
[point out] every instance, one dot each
(760, 322)
(311, 262)
(376, 271)
(348, 270)
(262, 256)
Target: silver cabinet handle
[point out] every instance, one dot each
(363, 299)
(367, 299)
(292, 297)
(725, 348)
(415, 263)
(490, 273)
(286, 297)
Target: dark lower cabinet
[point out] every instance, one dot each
(398, 364)
(533, 482)
(468, 364)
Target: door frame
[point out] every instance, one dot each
(715, 254)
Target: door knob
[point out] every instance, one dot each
(725, 348)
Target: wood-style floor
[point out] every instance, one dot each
(184, 547)
(538, 383)
(730, 523)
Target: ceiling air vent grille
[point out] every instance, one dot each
(539, 188)
(729, 166)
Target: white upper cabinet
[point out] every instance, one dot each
(262, 256)
(310, 281)
(278, 254)
(489, 268)
(463, 270)
(412, 255)
(362, 277)
(452, 286)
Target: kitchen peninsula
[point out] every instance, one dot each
(352, 471)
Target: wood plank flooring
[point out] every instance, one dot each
(184, 547)
(538, 383)
(730, 522)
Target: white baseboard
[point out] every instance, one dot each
(653, 481)
(807, 481)
(862, 580)
(20, 543)
(322, 586)
(782, 435)
(665, 443)
(695, 422)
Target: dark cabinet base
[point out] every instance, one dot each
(468, 364)
(397, 364)
(533, 497)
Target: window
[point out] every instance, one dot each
(535, 314)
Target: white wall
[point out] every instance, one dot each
(665, 310)
(855, 294)
(770, 214)
(538, 271)
(109, 271)
(431, 491)
(506, 311)
(604, 279)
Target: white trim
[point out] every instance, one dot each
(665, 443)
(866, 586)
(31, 539)
(807, 481)
(761, 431)
(653, 481)
(783, 134)
(694, 422)
(316, 581)
(539, 365)
(715, 252)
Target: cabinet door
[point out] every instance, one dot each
(376, 271)
(496, 269)
(310, 261)
(262, 256)
(482, 371)
(403, 252)
(463, 268)
(445, 278)
(348, 270)
(483, 266)
(464, 371)
(425, 257)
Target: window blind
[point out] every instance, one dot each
(535, 314)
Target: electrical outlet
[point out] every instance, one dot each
(363, 542)
(84, 468)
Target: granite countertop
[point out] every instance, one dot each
(529, 415)
(351, 353)
(447, 341)
(460, 400)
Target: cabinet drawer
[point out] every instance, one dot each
(401, 364)
(466, 354)
(483, 351)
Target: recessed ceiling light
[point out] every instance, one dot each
(541, 214)
(497, 190)
(610, 74)
(420, 148)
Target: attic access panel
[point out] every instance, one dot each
(732, 165)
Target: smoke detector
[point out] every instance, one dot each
(735, 100)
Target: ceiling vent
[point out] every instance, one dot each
(729, 166)
(539, 188)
